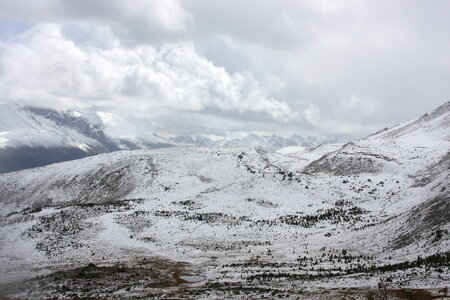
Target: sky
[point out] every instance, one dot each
(221, 68)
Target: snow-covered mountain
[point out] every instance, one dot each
(31, 136)
(329, 222)
(272, 142)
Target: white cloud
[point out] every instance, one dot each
(44, 67)
(346, 118)
(359, 63)
(133, 18)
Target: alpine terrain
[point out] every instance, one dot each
(32, 136)
(369, 219)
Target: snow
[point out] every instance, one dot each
(292, 149)
(76, 113)
(117, 127)
(240, 139)
(31, 136)
(20, 127)
(234, 214)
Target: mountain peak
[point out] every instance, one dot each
(34, 136)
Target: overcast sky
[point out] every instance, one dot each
(334, 68)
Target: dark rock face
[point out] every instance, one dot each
(79, 124)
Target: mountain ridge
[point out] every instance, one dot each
(323, 219)
(32, 137)
(272, 142)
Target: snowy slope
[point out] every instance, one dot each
(20, 127)
(292, 224)
(404, 148)
(31, 136)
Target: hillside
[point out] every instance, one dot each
(327, 222)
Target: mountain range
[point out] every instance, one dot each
(273, 142)
(362, 220)
(32, 137)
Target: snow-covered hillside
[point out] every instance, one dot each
(328, 222)
(31, 136)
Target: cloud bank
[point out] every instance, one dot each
(44, 68)
(199, 66)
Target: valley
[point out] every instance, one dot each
(235, 223)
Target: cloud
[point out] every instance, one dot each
(134, 19)
(346, 118)
(333, 67)
(44, 67)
